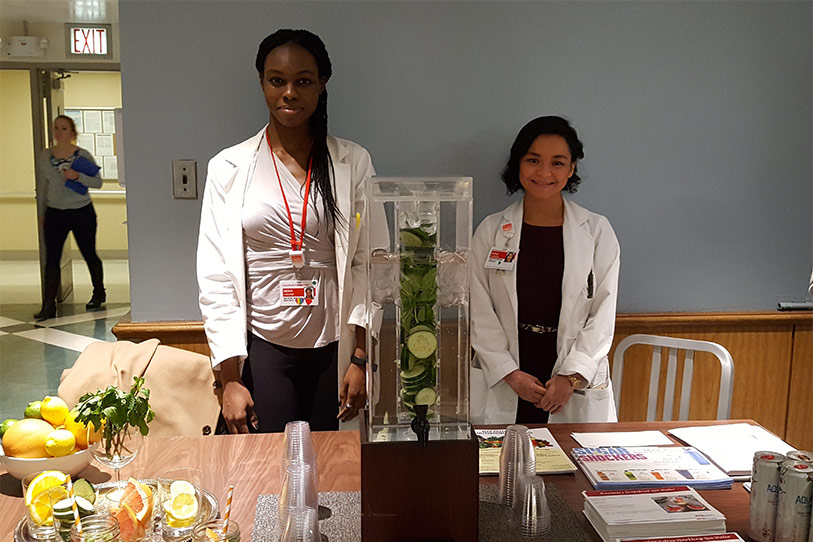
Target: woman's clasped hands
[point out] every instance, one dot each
(551, 396)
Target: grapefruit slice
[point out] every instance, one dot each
(130, 529)
(138, 497)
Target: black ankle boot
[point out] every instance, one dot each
(46, 313)
(96, 301)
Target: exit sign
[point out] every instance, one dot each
(88, 40)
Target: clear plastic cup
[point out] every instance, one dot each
(298, 490)
(179, 502)
(516, 458)
(530, 513)
(301, 525)
(298, 446)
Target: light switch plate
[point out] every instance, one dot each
(184, 179)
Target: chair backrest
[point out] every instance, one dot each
(674, 345)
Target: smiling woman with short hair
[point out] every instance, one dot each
(543, 293)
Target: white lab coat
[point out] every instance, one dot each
(586, 325)
(221, 251)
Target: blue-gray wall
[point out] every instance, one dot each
(696, 119)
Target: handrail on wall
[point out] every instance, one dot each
(32, 195)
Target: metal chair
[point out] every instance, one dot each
(674, 345)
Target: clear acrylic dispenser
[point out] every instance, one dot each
(418, 296)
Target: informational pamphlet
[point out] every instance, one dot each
(723, 537)
(731, 446)
(550, 458)
(671, 511)
(622, 438)
(649, 466)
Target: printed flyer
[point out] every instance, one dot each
(550, 458)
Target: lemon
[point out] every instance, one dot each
(80, 430)
(54, 410)
(182, 506)
(60, 442)
(36, 495)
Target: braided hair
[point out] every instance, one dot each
(322, 168)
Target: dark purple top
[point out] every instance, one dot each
(540, 267)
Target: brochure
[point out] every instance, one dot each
(550, 458)
(649, 466)
(622, 438)
(731, 446)
(670, 511)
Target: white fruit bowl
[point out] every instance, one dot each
(20, 467)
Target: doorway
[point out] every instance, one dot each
(30, 97)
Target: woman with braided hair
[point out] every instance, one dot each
(280, 254)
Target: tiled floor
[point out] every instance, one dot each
(33, 355)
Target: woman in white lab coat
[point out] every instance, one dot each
(280, 262)
(543, 292)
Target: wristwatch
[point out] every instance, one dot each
(576, 382)
(361, 362)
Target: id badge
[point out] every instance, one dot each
(501, 258)
(298, 293)
(297, 258)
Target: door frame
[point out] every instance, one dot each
(41, 124)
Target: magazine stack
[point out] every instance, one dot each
(654, 512)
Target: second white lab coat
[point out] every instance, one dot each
(586, 319)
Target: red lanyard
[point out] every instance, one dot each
(295, 245)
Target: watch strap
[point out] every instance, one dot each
(361, 362)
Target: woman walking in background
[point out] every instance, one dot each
(64, 174)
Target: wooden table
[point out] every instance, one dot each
(251, 463)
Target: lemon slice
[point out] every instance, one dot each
(36, 496)
(180, 487)
(182, 506)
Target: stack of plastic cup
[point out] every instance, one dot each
(298, 446)
(301, 525)
(516, 458)
(531, 515)
(298, 490)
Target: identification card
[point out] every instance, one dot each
(298, 293)
(501, 258)
(297, 258)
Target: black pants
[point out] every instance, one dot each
(58, 223)
(291, 384)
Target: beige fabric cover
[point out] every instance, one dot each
(180, 383)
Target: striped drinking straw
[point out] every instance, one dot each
(229, 494)
(76, 519)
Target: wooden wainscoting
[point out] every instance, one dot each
(772, 352)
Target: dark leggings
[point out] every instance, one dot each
(82, 222)
(290, 384)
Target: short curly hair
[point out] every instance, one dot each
(550, 125)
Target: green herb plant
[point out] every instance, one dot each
(115, 412)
